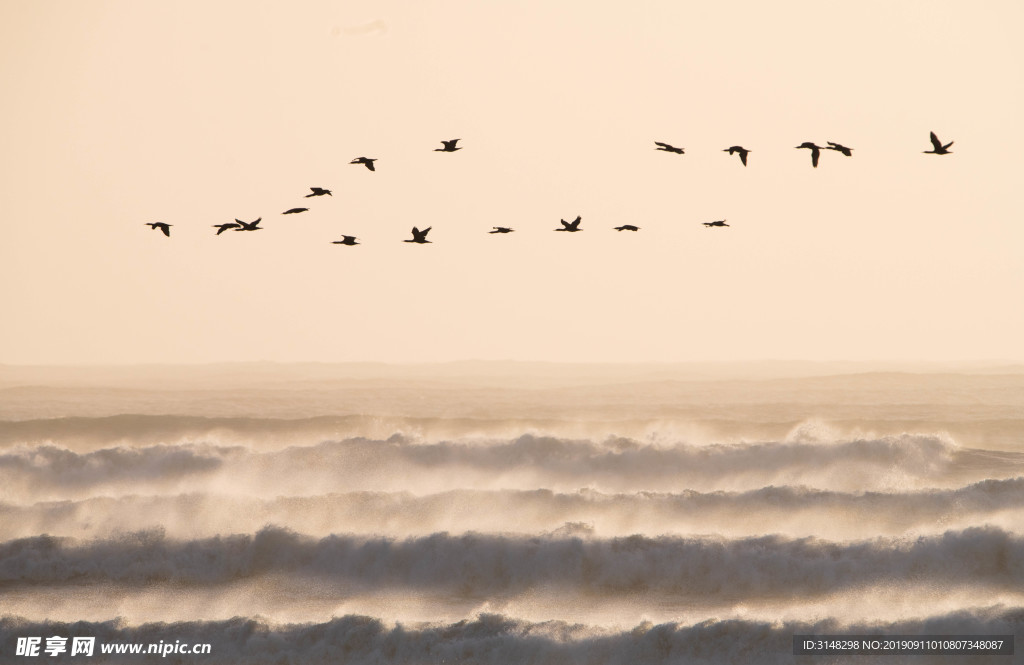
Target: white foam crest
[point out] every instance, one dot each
(50, 471)
(84, 434)
(614, 464)
(485, 565)
(500, 639)
(792, 511)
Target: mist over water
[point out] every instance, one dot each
(490, 518)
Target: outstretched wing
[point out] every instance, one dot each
(838, 147)
(936, 143)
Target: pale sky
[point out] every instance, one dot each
(117, 113)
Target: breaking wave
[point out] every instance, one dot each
(495, 638)
(81, 433)
(557, 517)
(614, 464)
(786, 509)
(48, 469)
(485, 564)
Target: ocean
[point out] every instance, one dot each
(507, 512)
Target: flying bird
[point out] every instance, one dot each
(740, 149)
(319, 191)
(815, 151)
(501, 229)
(572, 226)
(292, 211)
(449, 146)
(937, 147)
(419, 236)
(221, 228)
(163, 226)
(668, 148)
(720, 222)
(249, 226)
(627, 227)
(365, 161)
(345, 240)
(840, 148)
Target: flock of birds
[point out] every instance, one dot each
(420, 236)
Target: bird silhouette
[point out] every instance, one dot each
(815, 151)
(627, 227)
(221, 228)
(720, 222)
(937, 147)
(449, 146)
(840, 148)
(345, 240)
(501, 229)
(365, 161)
(668, 148)
(319, 191)
(419, 236)
(249, 226)
(163, 226)
(292, 211)
(740, 149)
(572, 226)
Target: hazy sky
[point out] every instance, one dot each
(118, 113)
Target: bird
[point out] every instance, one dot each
(419, 236)
(501, 229)
(292, 211)
(345, 240)
(740, 149)
(221, 228)
(449, 146)
(815, 151)
(365, 161)
(249, 226)
(627, 227)
(572, 226)
(840, 148)
(720, 222)
(668, 148)
(163, 226)
(937, 147)
(319, 191)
